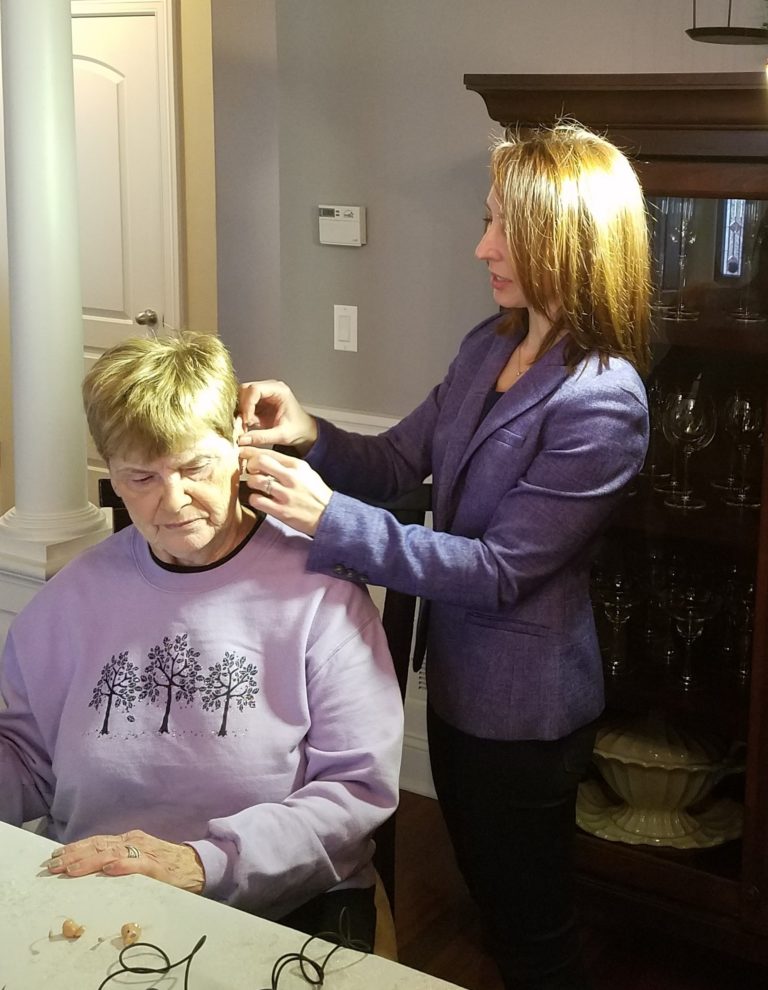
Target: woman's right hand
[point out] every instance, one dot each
(271, 414)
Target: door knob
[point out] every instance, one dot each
(147, 318)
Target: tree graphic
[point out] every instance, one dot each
(118, 686)
(171, 675)
(231, 680)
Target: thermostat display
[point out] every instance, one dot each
(343, 225)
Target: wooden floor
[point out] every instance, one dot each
(437, 929)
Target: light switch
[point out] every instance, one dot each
(345, 328)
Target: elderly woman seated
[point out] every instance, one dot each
(184, 700)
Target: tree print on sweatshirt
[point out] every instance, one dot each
(118, 685)
(230, 680)
(171, 675)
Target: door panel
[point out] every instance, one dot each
(126, 147)
(117, 108)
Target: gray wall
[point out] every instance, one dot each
(362, 101)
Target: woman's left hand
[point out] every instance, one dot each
(131, 852)
(285, 487)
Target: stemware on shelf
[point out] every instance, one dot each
(689, 424)
(665, 574)
(744, 424)
(653, 466)
(669, 484)
(744, 615)
(658, 216)
(683, 234)
(690, 607)
(618, 595)
(747, 310)
(729, 481)
(738, 619)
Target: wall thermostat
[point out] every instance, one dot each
(343, 225)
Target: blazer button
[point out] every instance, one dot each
(340, 569)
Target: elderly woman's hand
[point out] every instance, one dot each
(286, 488)
(131, 852)
(271, 414)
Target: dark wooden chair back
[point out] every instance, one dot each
(398, 619)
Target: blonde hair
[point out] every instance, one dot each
(577, 232)
(153, 395)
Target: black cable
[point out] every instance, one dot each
(312, 971)
(126, 967)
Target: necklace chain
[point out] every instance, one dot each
(520, 369)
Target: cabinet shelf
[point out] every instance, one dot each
(716, 332)
(716, 524)
(707, 878)
(720, 703)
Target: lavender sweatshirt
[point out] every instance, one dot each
(249, 709)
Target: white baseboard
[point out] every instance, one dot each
(415, 775)
(415, 772)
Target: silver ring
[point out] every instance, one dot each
(133, 852)
(268, 486)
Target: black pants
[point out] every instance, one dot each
(510, 812)
(323, 915)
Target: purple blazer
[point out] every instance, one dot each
(518, 499)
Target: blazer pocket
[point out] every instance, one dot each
(507, 437)
(492, 620)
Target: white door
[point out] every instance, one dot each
(127, 168)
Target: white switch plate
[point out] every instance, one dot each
(345, 328)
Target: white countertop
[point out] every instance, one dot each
(239, 952)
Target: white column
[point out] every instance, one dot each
(52, 519)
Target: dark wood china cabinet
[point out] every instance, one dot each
(674, 821)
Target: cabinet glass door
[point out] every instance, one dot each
(675, 585)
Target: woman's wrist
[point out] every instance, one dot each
(303, 446)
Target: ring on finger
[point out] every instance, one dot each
(268, 485)
(133, 852)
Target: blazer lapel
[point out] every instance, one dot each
(465, 423)
(538, 382)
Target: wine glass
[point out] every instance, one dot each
(739, 609)
(729, 481)
(690, 421)
(617, 594)
(684, 235)
(658, 215)
(670, 484)
(744, 425)
(747, 312)
(668, 583)
(666, 577)
(744, 615)
(653, 467)
(691, 607)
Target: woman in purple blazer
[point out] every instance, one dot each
(531, 439)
